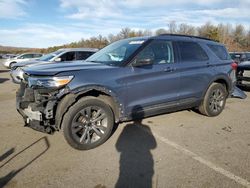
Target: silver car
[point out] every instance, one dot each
(8, 63)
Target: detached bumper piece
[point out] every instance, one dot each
(238, 93)
(37, 108)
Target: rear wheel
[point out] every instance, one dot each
(88, 123)
(214, 100)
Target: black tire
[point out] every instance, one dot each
(214, 100)
(88, 123)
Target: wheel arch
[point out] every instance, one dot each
(107, 95)
(222, 79)
(11, 63)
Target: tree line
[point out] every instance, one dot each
(234, 37)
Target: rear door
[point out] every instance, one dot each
(156, 85)
(195, 71)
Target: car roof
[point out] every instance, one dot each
(29, 53)
(186, 38)
(79, 49)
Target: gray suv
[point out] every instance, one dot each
(129, 79)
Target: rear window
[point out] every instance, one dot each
(191, 51)
(220, 51)
(248, 55)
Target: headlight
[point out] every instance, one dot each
(17, 74)
(49, 82)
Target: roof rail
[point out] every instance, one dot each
(191, 36)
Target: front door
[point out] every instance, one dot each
(153, 80)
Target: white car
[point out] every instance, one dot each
(62, 55)
(21, 58)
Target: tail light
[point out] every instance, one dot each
(234, 65)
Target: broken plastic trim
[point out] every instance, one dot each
(238, 93)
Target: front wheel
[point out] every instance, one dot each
(214, 100)
(88, 123)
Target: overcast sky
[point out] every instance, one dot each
(44, 23)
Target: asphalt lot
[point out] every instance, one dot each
(182, 149)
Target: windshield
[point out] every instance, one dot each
(117, 52)
(48, 57)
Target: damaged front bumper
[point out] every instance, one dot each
(37, 107)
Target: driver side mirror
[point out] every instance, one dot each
(58, 59)
(142, 62)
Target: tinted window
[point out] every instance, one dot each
(248, 56)
(220, 51)
(191, 51)
(158, 51)
(26, 56)
(69, 56)
(37, 55)
(83, 55)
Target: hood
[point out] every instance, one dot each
(52, 69)
(244, 65)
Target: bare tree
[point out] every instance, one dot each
(186, 29)
(172, 27)
(161, 31)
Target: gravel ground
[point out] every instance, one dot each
(181, 149)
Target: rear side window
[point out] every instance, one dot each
(220, 51)
(191, 51)
(83, 55)
(248, 56)
(37, 55)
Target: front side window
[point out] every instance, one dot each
(157, 52)
(25, 56)
(69, 56)
(192, 51)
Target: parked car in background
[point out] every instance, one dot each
(240, 56)
(129, 79)
(8, 56)
(243, 75)
(21, 58)
(61, 55)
